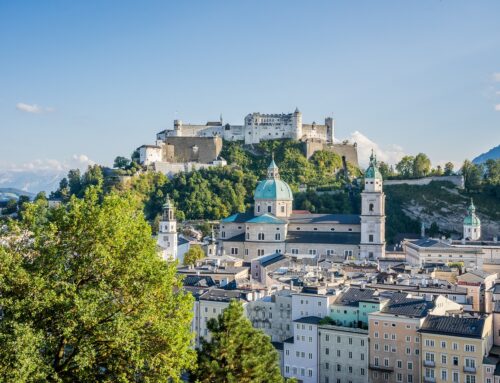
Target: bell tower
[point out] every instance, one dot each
(372, 244)
(167, 232)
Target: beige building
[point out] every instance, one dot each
(478, 283)
(453, 348)
(395, 344)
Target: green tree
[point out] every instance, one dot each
(421, 165)
(92, 177)
(86, 298)
(21, 205)
(236, 353)
(473, 175)
(121, 162)
(10, 207)
(385, 170)
(448, 169)
(405, 166)
(193, 255)
(74, 182)
(433, 229)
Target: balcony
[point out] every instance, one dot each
(429, 363)
(470, 370)
(381, 368)
(428, 379)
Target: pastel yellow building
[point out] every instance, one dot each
(453, 348)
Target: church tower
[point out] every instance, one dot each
(472, 224)
(372, 244)
(167, 232)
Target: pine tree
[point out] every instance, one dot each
(236, 352)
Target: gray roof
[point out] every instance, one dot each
(323, 237)
(221, 295)
(410, 307)
(429, 242)
(354, 295)
(453, 326)
(346, 219)
(442, 290)
(266, 260)
(309, 320)
(198, 281)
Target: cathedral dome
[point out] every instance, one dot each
(273, 189)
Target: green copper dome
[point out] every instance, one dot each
(372, 171)
(273, 187)
(472, 219)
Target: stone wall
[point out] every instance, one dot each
(347, 150)
(458, 181)
(192, 149)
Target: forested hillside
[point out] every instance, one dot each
(211, 194)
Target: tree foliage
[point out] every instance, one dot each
(85, 297)
(236, 353)
(193, 255)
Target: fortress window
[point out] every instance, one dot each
(371, 207)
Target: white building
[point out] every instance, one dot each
(273, 227)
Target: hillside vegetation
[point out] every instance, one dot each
(215, 193)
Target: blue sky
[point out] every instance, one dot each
(92, 80)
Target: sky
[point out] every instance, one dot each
(86, 81)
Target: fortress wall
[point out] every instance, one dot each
(182, 149)
(349, 151)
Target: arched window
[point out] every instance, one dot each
(261, 236)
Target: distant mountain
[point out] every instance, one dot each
(491, 154)
(32, 181)
(7, 194)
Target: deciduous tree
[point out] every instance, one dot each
(86, 298)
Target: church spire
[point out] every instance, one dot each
(273, 170)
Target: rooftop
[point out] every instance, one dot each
(220, 295)
(410, 307)
(334, 237)
(453, 326)
(354, 295)
(269, 259)
(346, 219)
(309, 320)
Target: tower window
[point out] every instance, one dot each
(258, 208)
(277, 236)
(269, 209)
(370, 238)
(370, 207)
(261, 236)
(282, 209)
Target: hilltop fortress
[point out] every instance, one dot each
(201, 144)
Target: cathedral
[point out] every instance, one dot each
(274, 227)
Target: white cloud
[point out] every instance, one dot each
(497, 107)
(390, 154)
(33, 108)
(496, 76)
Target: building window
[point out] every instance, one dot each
(370, 207)
(282, 209)
(258, 208)
(261, 236)
(312, 251)
(277, 236)
(234, 251)
(370, 238)
(269, 209)
(260, 252)
(295, 251)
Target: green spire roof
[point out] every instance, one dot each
(168, 204)
(372, 170)
(472, 219)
